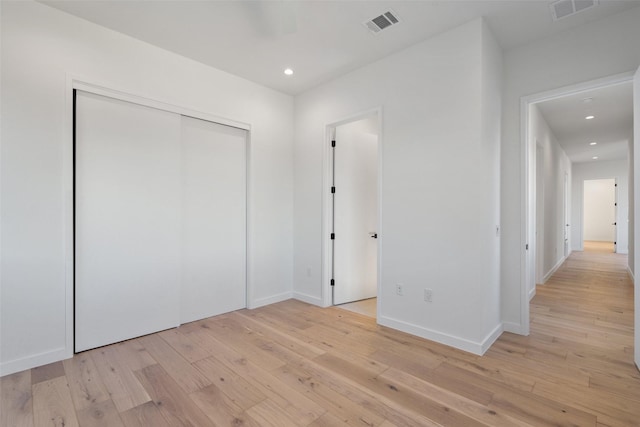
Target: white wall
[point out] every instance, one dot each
(598, 213)
(615, 169)
(440, 104)
(602, 48)
(553, 164)
(40, 46)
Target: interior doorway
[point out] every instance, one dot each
(599, 211)
(583, 99)
(354, 210)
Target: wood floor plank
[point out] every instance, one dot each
(328, 420)
(47, 372)
(188, 348)
(102, 414)
(53, 405)
(85, 383)
(144, 415)
(240, 391)
(391, 390)
(269, 414)
(16, 403)
(447, 399)
(220, 408)
(189, 378)
(176, 407)
(124, 388)
(317, 389)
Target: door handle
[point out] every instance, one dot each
(373, 235)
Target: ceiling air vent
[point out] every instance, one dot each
(381, 22)
(563, 8)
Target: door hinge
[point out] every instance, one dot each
(333, 236)
(333, 282)
(526, 247)
(333, 143)
(333, 190)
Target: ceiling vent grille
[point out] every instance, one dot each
(564, 8)
(381, 22)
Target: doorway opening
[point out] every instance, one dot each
(353, 203)
(590, 147)
(599, 213)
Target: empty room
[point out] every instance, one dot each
(319, 213)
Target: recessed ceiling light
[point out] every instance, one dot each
(593, 143)
(590, 117)
(288, 71)
(595, 157)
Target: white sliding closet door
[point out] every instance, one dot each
(214, 219)
(128, 220)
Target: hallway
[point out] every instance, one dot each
(582, 331)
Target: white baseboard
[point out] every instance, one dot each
(260, 302)
(491, 338)
(311, 299)
(532, 293)
(460, 343)
(13, 366)
(553, 270)
(622, 252)
(633, 279)
(514, 328)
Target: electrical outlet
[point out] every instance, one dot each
(428, 295)
(399, 290)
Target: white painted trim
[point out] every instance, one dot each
(512, 327)
(326, 292)
(525, 221)
(109, 90)
(478, 348)
(310, 299)
(532, 293)
(623, 252)
(491, 338)
(525, 102)
(633, 278)
(33, 361)
(260, 302)
(553, 270)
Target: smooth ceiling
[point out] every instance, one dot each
(611, 128)
(320, 40)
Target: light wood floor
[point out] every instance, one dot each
(368, 307)
(291, 364)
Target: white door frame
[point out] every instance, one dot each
(327, 205)
(86, 84)
(527, 225)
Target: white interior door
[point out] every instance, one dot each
(599, 210)
(214, 219)
(355, 211)
(127, 218)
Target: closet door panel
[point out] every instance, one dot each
(128, 220)
(214, 219)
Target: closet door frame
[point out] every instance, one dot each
(74, 83)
